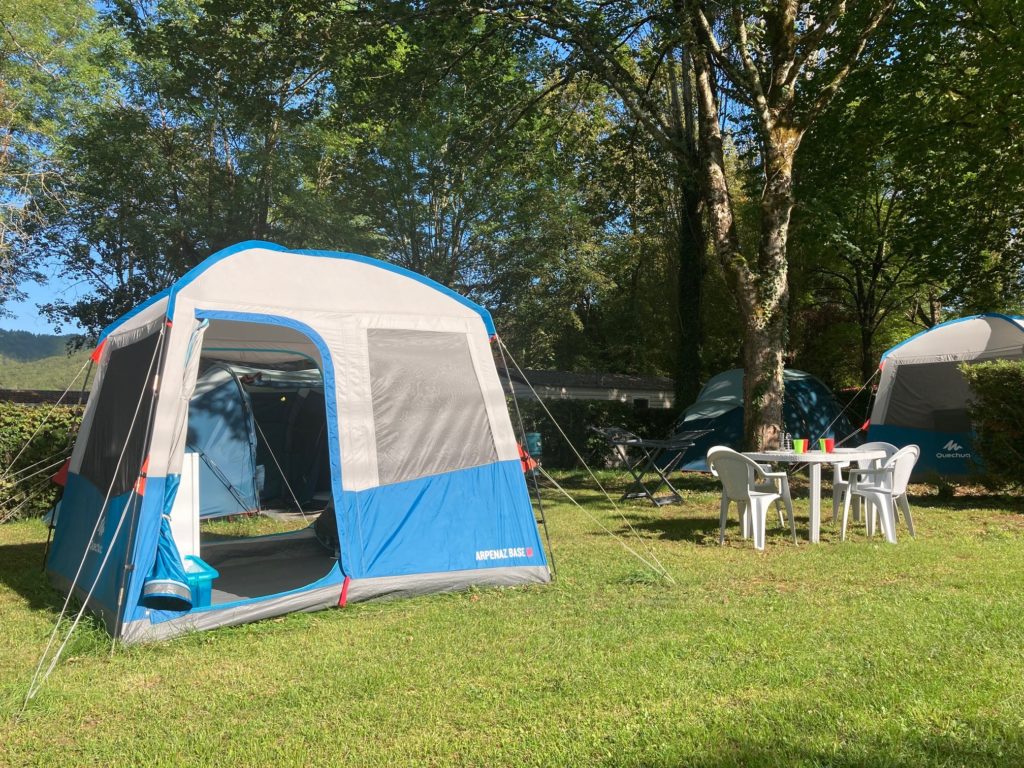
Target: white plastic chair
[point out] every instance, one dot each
(784, 502)
(884, 487)
(781, 480)
(746, 482)
(841, 486)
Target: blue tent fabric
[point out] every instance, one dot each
(403, 531)
(167, 587)
(809, 410)
(221, 431)
(83, 511)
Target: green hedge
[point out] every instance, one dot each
(997, 411)
(18, 422)
(576, 417)
(25, 489)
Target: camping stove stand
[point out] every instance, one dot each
(642, 457)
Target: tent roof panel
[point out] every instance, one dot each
(139, 315)
(292, 286)
(963, 338)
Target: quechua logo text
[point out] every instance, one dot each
(952, 450)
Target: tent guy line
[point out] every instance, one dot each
(277, 464)
(60, 456)
(29, 496)
(45, 420)
(656, 568)
(663, 571)
(37, 681)
(523, 444)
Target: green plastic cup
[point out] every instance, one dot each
(800, 445)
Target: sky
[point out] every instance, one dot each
(27, 316)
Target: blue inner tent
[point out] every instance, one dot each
(809, 410)
(245, 423)
(221, 431)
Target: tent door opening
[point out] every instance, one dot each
(256, 444)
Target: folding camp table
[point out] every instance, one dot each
(642, 457)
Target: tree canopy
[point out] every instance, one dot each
(667, 188)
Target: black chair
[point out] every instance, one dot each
(643, 458)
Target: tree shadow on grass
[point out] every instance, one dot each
(699, 530)
(983, 501)
(21, 571)
(702, 528)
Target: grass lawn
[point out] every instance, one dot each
(843, 654)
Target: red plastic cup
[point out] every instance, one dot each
(830, 444)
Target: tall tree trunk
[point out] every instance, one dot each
(868, 363)
(765, 337)
(760, 352)
(763, 62)
(691, 238)
(690, 245)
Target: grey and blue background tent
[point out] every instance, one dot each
(923, 398)
(809, 410)
(426, 489)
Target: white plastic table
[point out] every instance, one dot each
(814, 460)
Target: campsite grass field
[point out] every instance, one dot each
(842, 654)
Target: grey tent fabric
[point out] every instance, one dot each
(923, 398)
(428, 409)
(266, 565)
(115, 449)
(930, 396)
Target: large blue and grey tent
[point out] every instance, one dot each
(809, 410)
(923, 398)
(419, 463)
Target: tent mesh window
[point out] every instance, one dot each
(124, 383)
(428, 408)
(929, 396)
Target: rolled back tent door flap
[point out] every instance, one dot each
(424, 470)
(923, 398)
